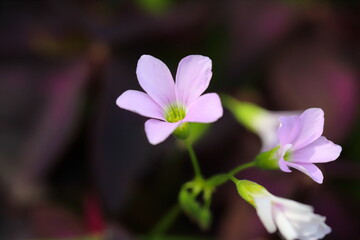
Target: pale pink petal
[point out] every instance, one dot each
(206, 109)
(292, 206)
(283, 165)
(157, 131)
(289, 129)
(140, 103)
(312, 126)
(284, 225)
(315, 228)
(309, 169)
(321, 150)
(155, 78)
(264, 211)
(192, 78)
(311, 227)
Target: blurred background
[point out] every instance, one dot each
(72, 164)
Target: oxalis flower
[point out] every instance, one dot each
(301, 144)
(294, 220)
(169, 104)
(258, 120)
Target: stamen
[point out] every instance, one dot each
(174, 113)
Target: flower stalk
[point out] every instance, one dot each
(194, 160)
(241, 168)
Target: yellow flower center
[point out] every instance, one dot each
(174, 113)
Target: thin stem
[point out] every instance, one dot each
(165, 222)
(194, 160)
(241, 167)
(235, 180)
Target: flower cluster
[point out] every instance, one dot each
(289, 141)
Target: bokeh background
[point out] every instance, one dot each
(72, 164)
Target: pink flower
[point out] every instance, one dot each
(301, 143)
(170, 104)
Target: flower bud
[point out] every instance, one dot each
(248, 190)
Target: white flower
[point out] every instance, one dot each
(293, 219)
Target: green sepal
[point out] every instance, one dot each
(248, 189)
(182, 131)
(268, 160)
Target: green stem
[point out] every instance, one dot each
(194, 160)
(165, 222)
(241, 167)
(235, 180)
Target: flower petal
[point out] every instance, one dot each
(192, 78)
(309, 169)
(291, 205)
(284, 225)
(312, 126)
(140, 103)
(206, 109)
(266, 125)
(157, 131)
(315, 228)
(155, 78)
(289, 129)
(283, 166)
(264, 211)
(319, 151)
(301, 219)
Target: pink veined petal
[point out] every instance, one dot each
(192, 78)
(283, 166)
(206, 109)
(140, 103)
(312, 126)
(155, 78)
(157, 131)
(309, 169)
(264, 211)
(319, 151)
(289, 129)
